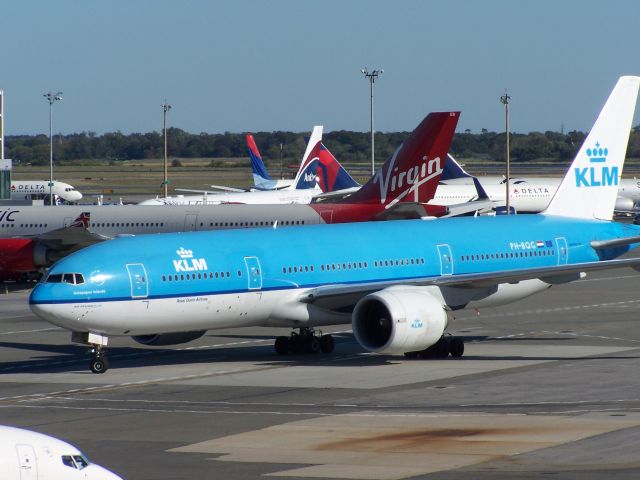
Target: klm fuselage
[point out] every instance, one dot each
(207, 280)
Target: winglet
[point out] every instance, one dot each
(590, 187)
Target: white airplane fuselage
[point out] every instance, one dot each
(31, 455)
(39, 189)
(260, 197)
(527, 194)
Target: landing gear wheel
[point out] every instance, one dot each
(327, 344)
(313, 344)
(456, 347)
(99, 365)
(440, 349)
(282, 345)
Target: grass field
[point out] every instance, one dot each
(144, 177)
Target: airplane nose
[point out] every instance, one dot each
(97, 472)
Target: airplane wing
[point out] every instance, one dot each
(217, 187)
(553, 274)
(335, 195)
(72, 237)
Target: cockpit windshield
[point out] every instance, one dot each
(72, 278)
(75, 461)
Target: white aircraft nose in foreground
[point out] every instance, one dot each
(30, 455)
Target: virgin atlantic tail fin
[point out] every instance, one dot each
(413, 172)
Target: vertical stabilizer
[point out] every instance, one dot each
(300, 180)
(260, 174)
(413, 172)
(590, 187)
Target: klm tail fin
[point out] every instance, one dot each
(307, 173)
(413, 172)
(260, 174)
(590, 187)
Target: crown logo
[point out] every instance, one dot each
(597, 154)
(183, 253)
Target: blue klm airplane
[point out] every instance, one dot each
(396, 282)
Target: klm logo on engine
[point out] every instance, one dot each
(598, 174)
(187, 263)
(417, 323)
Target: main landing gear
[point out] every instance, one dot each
(447, 345)
(99, 363)
(307, 341)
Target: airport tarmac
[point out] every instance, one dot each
(548, 387)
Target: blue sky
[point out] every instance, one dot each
(287, 65)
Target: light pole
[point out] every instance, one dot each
(51, 98)
(372, 77)
(505, 101)
(165, 108)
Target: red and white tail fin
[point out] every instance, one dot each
(413, 172)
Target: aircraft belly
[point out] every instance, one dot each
(164, 315)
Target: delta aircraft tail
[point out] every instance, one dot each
(413, 172)
(260, 174)
(590, 187)
(324, 170)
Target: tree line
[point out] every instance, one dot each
(347, 146)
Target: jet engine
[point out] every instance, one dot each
(398, 320)
(164, 339)
(21, 255)
(624, 204)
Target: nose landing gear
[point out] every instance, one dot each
(99, 364)
(98, 342)
(306, 341)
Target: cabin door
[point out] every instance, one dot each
(446, 261)
(254, 273)
(563, 251)
(27, 462)
(190, 222)
(138, 280)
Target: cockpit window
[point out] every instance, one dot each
(81, 461)
(72, 278)
(75, 461)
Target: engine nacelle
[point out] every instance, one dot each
(624, 204)
(163, 339)
(21, 255)
(398, 319)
